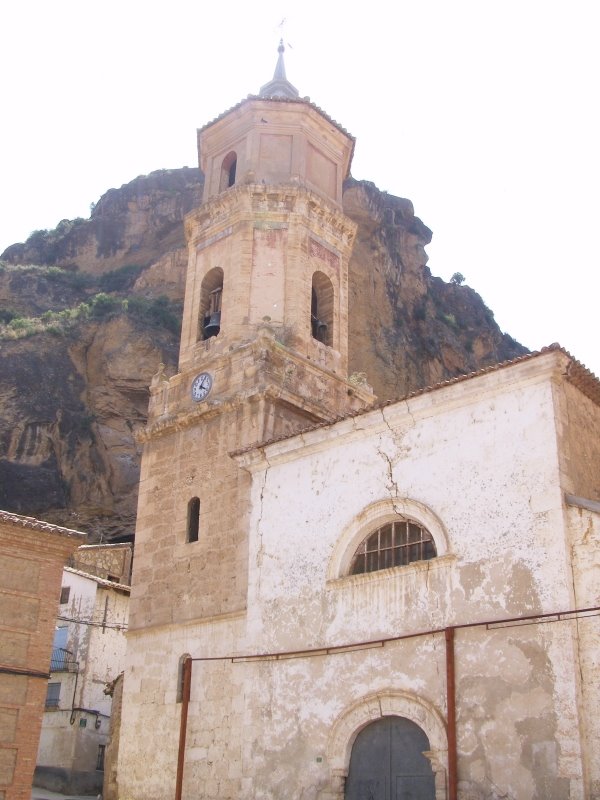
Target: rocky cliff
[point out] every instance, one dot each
(89, 310)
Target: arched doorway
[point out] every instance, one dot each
(387, 763)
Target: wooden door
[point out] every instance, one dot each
(387, 763)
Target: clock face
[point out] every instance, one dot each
(201, 386)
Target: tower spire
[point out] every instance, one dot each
(279, 86)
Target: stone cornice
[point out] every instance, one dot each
(273, 354)
(551, 364)
(269, 205)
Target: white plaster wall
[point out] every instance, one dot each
(486, 465)
(106, 649)
(100, 655)
(481, 457)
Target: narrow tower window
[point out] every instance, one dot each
(193, 519)
(228, 170)
(211, 295)
(321, 309)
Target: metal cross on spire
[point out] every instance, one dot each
(279, 86)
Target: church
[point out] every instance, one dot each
(334, 597)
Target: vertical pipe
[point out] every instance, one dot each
(185, 701)
(451, 706)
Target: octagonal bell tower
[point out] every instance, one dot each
(270, 244)
(264, 344)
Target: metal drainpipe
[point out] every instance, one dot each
(451, 706)
(185, 701)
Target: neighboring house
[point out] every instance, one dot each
(32, 556)
(88, 653)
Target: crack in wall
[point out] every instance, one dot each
(392, 485)
(260, 550)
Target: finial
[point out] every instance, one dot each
(279, 86)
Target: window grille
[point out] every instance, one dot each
(393, 545)
(52, 695)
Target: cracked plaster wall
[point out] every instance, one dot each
(482, 457)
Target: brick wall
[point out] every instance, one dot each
(32, 556)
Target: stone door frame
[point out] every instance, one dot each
(371, 708)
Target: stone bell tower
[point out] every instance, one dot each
(264, 344)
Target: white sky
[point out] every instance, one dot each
(484, 113)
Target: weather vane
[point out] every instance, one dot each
(280, 29)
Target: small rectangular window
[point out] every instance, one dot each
(53, 695)
(100, 758)
(64, 595)
(193, 519)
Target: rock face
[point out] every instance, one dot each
(73, 386)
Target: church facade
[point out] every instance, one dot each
(333, 598)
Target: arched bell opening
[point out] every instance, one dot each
(228, 170)
(321, 309)
(211, 296)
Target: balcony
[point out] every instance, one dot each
(62, 661)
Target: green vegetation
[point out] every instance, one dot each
(117, 280)
(104, 296)
(6, 315)
(458, 278)
(160, 312)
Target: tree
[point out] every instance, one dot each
(458, 278)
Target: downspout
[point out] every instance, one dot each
(451, 709)
(73, 709)
(185, 701)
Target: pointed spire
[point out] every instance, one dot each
(279, 86)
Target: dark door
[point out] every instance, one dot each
(387, 763)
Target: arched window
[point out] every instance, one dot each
(228, 170)
(193, 519)
(180, 663)
(394, 544)
(321, 309)
(211, 295)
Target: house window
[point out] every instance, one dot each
(53, 695)
(193, 519)
(393, 545)
(64, 595)
(228, 170)
(211, 295)
(100, 757)
(321, 309)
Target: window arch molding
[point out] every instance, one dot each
(374, 516)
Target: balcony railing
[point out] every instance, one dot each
(61, 661)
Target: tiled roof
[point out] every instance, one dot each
(100, 581)
(577, 374)
(37, 524)
(298, 100)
